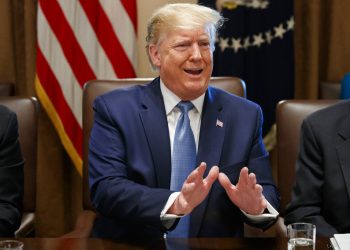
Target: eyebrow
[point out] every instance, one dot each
(186, 38)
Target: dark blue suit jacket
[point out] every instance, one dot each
(130, 161)
(11, 174)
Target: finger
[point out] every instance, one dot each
(212, 176)
(231, 190)
(261, 198)
(263, 204)
(189, 187)
(252, 180)
(258, 189)
(201, 168)
(197, 173)
(225, 181)
(243, 176)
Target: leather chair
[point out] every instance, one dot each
(26, 109)
(289, 117)
(94, 88)
(7, 89)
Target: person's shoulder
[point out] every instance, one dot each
(8, 122)
(5, 111)
(332, 112)
(6, 114)
(230, 98)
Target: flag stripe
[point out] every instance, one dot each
(87, 39)
(131, 9)
(115, 12)
(53, 53)
(53, 90)
(108, 39)
(51, 111)
(65, 35)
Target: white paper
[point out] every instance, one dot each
(343, 240)
(334, 244)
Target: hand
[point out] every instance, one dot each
(246, 194)
(194, 190)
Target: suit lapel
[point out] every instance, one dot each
(155, 124)
(343, 151)
(209, 148)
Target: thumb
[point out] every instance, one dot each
(225, 181)
(212, 176)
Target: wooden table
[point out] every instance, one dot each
(178, 244)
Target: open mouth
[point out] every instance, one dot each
(193, 71)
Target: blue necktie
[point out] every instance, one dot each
(183, 162)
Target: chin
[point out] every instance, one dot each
(195, 92)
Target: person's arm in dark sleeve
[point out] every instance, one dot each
(11, 175)
(306, 199)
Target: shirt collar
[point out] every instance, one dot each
(171, 100)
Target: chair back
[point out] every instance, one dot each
(289, 117)
(94, 88)
(7, 89)
(26, 109)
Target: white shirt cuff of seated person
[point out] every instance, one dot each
(169, 219)
(261, 217)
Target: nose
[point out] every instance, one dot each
(195, 52)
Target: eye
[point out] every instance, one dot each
(182, 46)
(204, 44)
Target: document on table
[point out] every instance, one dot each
(340, 241)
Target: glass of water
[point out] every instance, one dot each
(301, 236)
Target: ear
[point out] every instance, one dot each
(154, 55)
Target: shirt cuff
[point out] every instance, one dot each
(263, 217)
(169, 219)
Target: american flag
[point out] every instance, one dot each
(80, 40)
(219, 123)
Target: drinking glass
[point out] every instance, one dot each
(301, 236)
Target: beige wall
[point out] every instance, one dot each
(144, 10)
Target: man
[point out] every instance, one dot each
(11, 174)
(137, 159)
(321, 195)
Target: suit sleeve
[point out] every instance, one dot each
(306, 199)
(113, 192)
(259, 164)
(11, 175)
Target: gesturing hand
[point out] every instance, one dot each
(194, 190)
(246, 194)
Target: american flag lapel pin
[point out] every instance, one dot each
(219, 123)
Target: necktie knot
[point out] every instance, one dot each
(185, 106)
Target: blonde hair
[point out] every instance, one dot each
(182, 16)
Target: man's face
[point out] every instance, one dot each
(185, 62)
